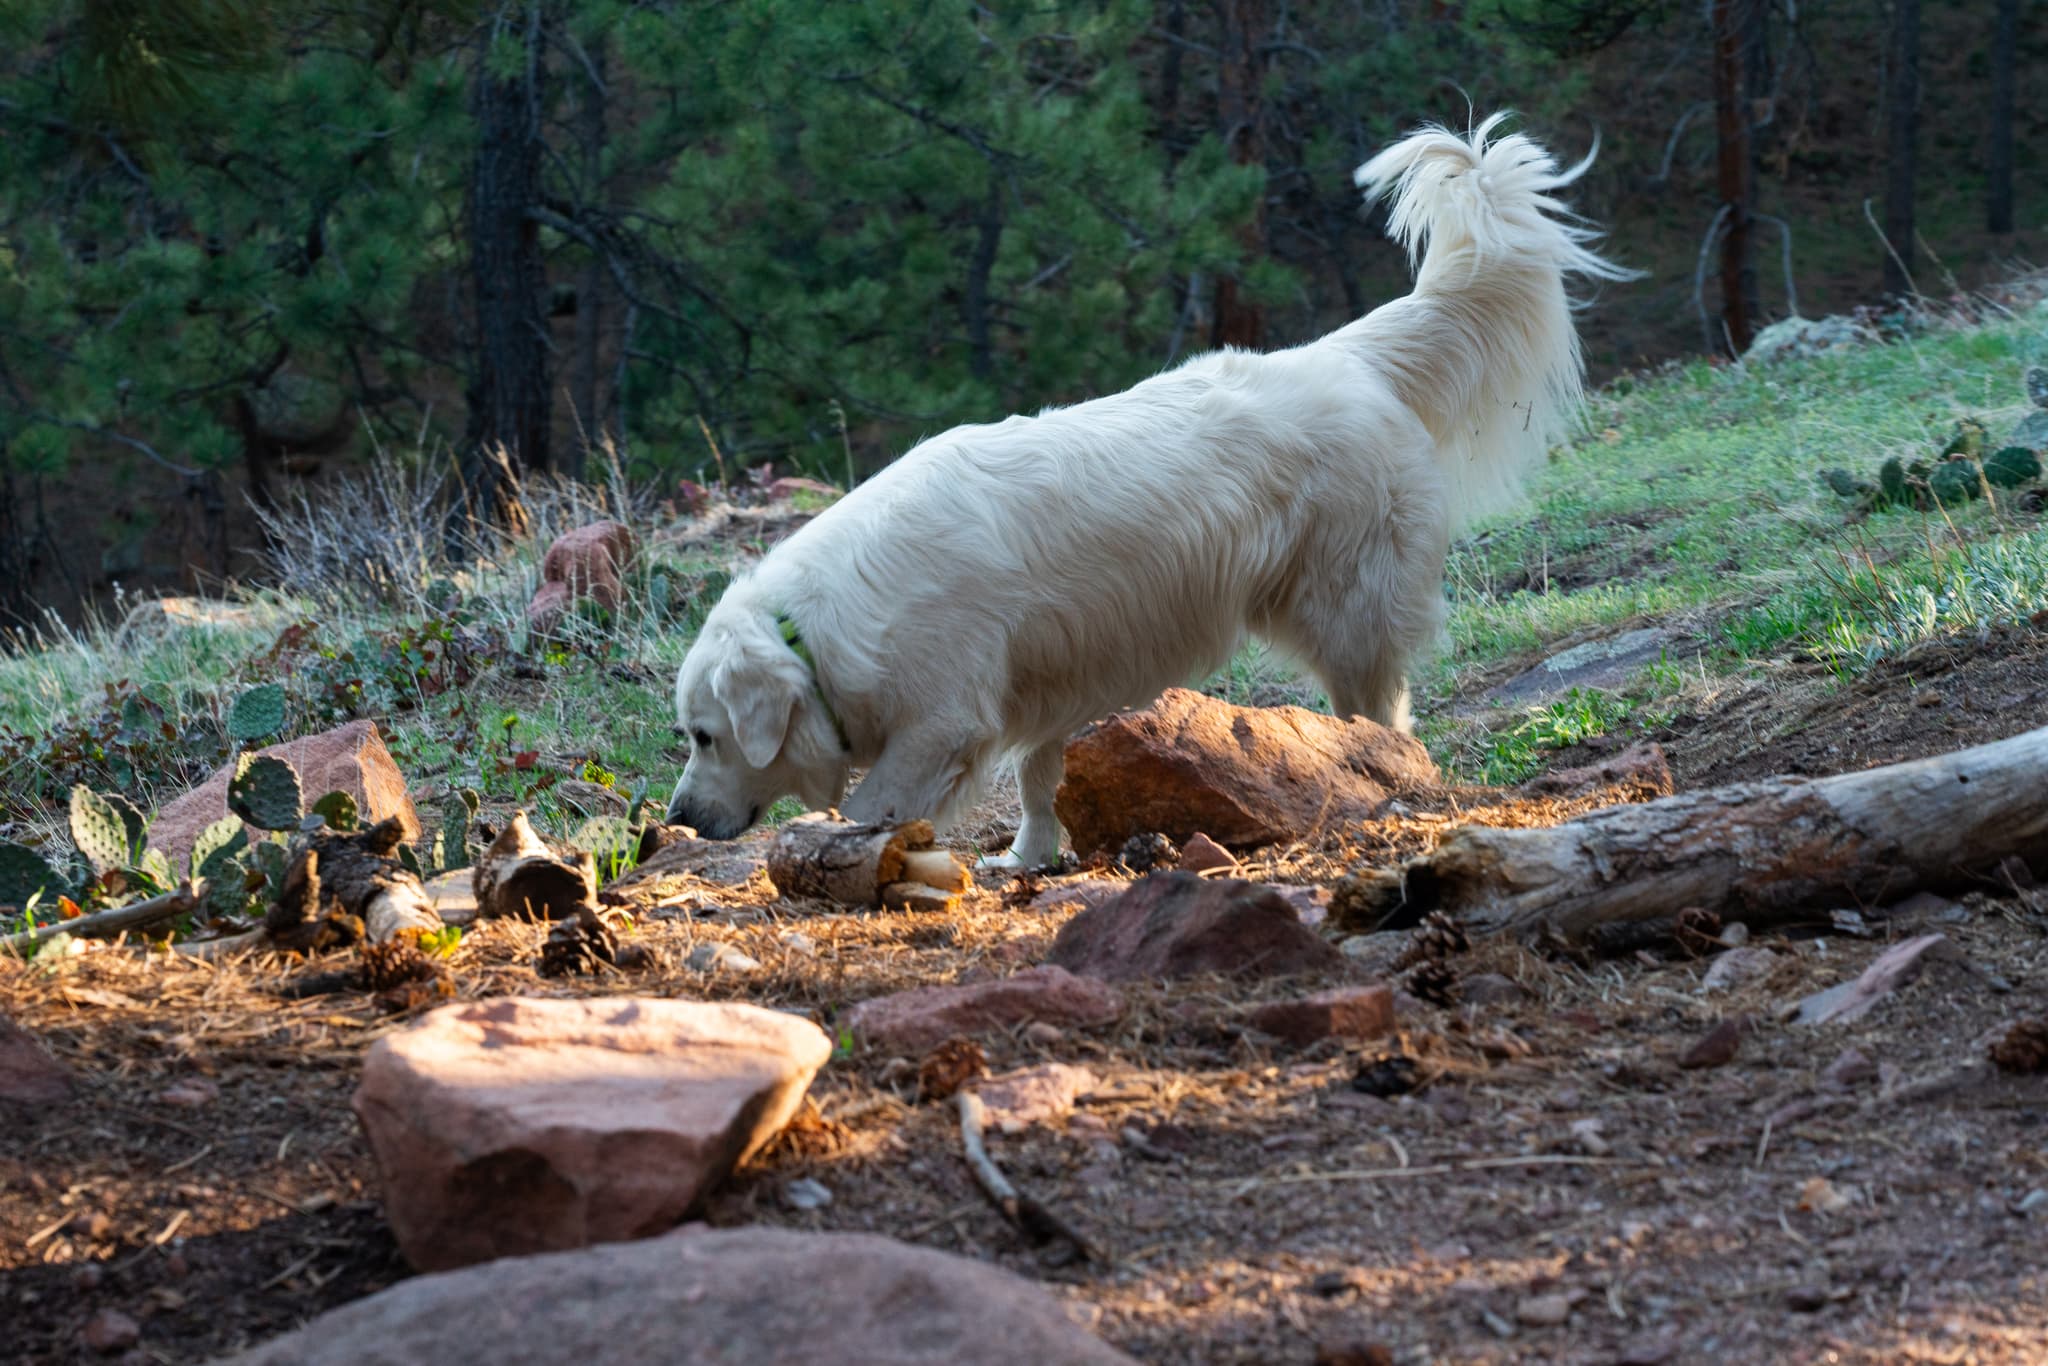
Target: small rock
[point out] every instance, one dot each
(109, 1331)
(510, 1126)
(1543, 1311)
(28, 1074)
(1200, 854)
(1738, 967)
(1376, 953)
(1039, 1034)
(1017, 1100)
(1344, 1013)
(1716, 1048)
(805, 1194)
(1654, 1350)
(1806, 1299)
(1928, 906)
(1586, 1134)
(1734, 934)
(193, 1093)
(924, 1017)
(720, 957)
(1312, 904)
(1849, 1070)
(1083, 894)
(797, 942)
(1491, 989)
(1177, 924)
(587, 563)
(1495, 1324)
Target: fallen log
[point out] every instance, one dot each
(1762, 852)
(106, 924)
(819, 855)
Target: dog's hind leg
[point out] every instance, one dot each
(1038, 833)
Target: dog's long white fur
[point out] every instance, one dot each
(1001, 586)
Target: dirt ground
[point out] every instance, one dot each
(1557, 1190)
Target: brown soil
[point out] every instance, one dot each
(1253, 1206)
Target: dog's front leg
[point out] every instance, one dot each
(920, 776)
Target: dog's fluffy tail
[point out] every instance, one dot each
(1483, 350)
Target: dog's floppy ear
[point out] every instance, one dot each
(758, 699)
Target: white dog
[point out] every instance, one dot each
(1001, 586)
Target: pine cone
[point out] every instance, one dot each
(1434, 981)
(1141, 854)
(577, 944)
(949, 1067)
(385, 966)
(2024, 1048)
(1438, 937)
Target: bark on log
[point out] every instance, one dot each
(865, 865)
(1760, 852)
(520, 875)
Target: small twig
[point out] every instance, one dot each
(1475, 1164)
(1699, 275)
(106, 924)
(1038, 1224)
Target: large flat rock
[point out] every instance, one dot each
(1178, 924)
(513, 1126)
(765, 1297)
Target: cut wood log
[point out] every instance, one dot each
(521, 876)
(820, 856)
(106, 924)
(354, 873)
(1762, 852)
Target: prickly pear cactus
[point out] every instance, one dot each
(612, 840)
(257, 714)
(2037, 386)
(217, 843)
(2012, 467)
(338, 809)
(102, 831)
(1891, 484)
(271, 858)
(25, 872)
(155, 865)
(1954, 482)
(265, 792)
(228, 890)
(1845, 484)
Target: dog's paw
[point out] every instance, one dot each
(1004, 862)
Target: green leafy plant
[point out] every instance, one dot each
(26, 877)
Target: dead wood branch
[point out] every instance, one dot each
(521, 876)
(865, 865)
(119, 920)
(1760, 852)
(352, 873)
(1038, 1224)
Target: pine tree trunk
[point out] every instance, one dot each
(1998, 194)
(1736, 183)
(974, 306)
(1902, 109)
(590, 286)
(511, 389)
(1238, 321)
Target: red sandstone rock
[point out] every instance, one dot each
(1346, 1013)
(925, 1017)
(1177, 924)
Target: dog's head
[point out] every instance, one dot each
(756, 726)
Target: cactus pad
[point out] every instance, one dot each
(339, 810)
(101, 831)
(25, 872)
(2012, 467)
(1954, 482)
(257, 713)
(265, 792)
(221, 841)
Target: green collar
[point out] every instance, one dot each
(795, 640)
